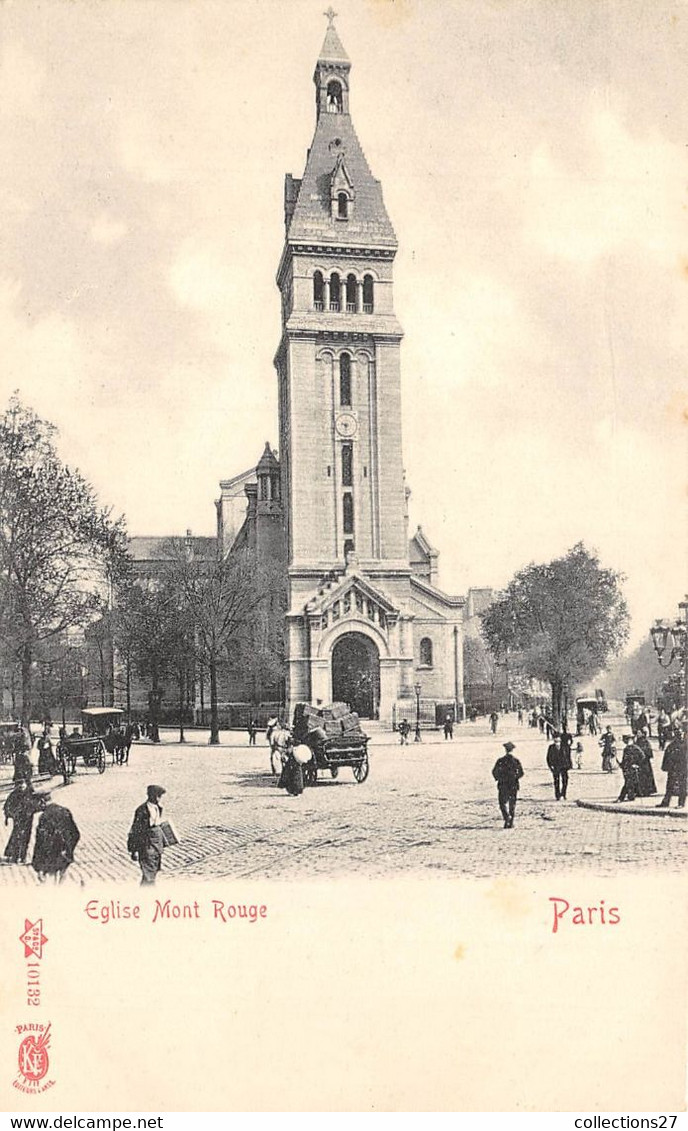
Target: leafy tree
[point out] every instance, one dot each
(59, 549)
(562, 621)
(224, 598)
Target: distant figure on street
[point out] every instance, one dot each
(252, 732)
(46, 759)
(608, 744)
(592, 723)
(559, 762)
(567, 745)
(448, 727)
(675, 766)
(520, 716)
(23, 768)
(56, 838)
(404, 731)
(631, 764)
(648, 786)
(494, 719)
(145, 842)
(662, 728)
(507, 772)
(19, 808)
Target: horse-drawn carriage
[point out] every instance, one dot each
(93, 744)
(13, 739)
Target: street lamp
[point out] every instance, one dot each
(671, 643)
(417, 689)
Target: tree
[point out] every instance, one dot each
(224, 598)
(59, 550)
(562, 622)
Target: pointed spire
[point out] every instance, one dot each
(332, 50)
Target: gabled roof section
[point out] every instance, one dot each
(333, 591)
(312, 220)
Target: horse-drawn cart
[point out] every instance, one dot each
(93, 744)
(336, 740)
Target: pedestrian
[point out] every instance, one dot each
(23, 768)
(567, 744)
(291, 777)
(674, 765)
(448, 728)
(252, 732)
(56, 838)
(145, 842)
(520, 716)
(494, 719)
(507, 772)
(404, 731)
(648, 786)
(608, 744)
(631, 765)
(559, 762)
(662, 728)
(46, 758)
(19, 808)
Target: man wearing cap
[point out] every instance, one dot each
(559, 762)
(631, 763)
(507, 771)
(145, 842)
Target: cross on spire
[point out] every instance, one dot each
(331, 16)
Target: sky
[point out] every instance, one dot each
(534, 161)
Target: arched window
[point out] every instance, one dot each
(426, 652)
(334, 97)
(345, 380)
(367, 294)
(335, 292)
(347, 465)
(318, 290)
(342, 206)
(348, 513)
(351, 287)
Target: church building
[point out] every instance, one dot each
(366, 623)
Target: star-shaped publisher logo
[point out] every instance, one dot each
(33, 938)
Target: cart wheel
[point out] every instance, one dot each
(101, 759)
(361, 770)
(334, 770)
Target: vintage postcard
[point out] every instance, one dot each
(343, 556)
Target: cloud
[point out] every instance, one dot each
(631, 192)
(107, 229)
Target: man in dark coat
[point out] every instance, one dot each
(674, 764)
(507, 772)
(559, 762)
(648, 786)
(145, 842)
(56, 838)
(19, 808)
(23, 768)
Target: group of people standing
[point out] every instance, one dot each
(57, 834)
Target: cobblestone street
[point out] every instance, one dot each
(429, 808)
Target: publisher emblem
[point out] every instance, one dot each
(33, 938)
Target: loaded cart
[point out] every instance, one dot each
(336, 740)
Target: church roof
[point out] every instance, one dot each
(335, 144)
(268, 461)
(332, 50)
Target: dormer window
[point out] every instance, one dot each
(342, 206)
(335, 103)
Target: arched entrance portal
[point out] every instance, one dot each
(356, 674)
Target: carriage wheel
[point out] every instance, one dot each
(362, 769)
(101, 759)
(334, 770)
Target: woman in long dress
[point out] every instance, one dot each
(56, 838)
(19, 808)
(648, 786)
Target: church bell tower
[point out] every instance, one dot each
(340, 417)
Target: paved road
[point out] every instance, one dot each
(425, 809)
